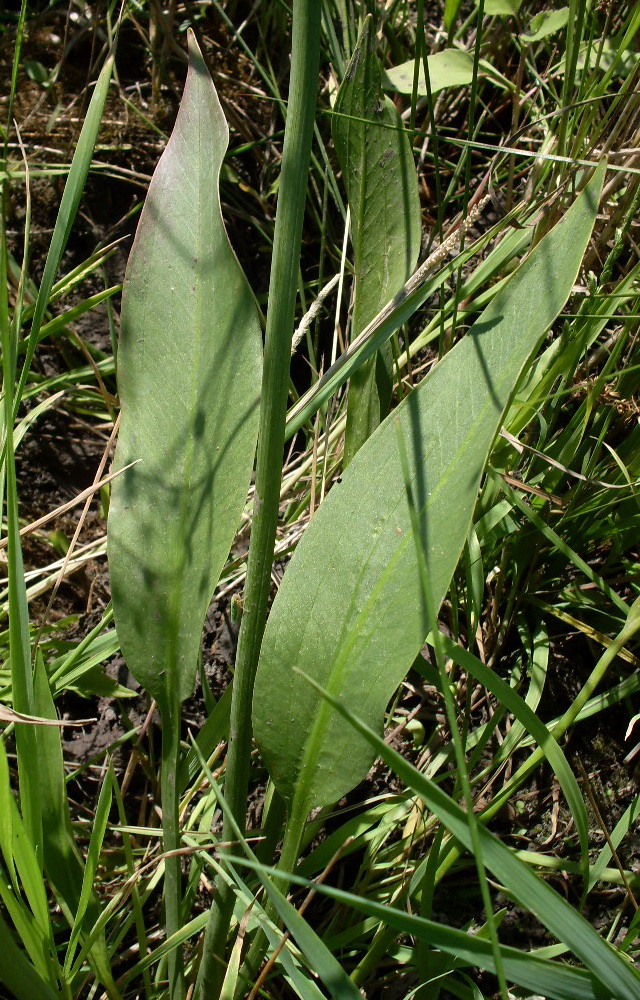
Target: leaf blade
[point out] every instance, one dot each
(349, 611)
(375, 155)
(189, 363)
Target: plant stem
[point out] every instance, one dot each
(274, 817)
(171, 842)
(283, 288)
(293, 835)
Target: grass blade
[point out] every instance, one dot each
(545, 740)
(18, 974)
(98, 831)
(62, 861)
(617, 978)
(72, 194)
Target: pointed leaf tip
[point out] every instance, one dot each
(350, 610)
(188, 367)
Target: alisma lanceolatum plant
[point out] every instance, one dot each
(358, 597)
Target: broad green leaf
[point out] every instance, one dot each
(382, 187)
(451, 9)
(546, 23)
(608, 54)
(448, 68)
(610, 974)
(501, 7)
(188, 373)
(349, 611)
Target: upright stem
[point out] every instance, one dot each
(171, 842)
(293, 834)
(283, 286)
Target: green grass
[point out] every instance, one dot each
(494, 855)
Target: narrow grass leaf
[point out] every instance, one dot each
(18, 609)
(620, 831)
(375, 155)
(555, 980)
(71, 196)
(511, 700)
(30, 934)
(230, 982)
(30, 915)
(18, 974)
(135, 915)
(349, 610)
(391, 317)
(320, 959)
(537, 673)
(617, 978)
(562, 546)
(6, 816)
(62, 860)
(297, 976)
(214, 731)
(28, 870)
(98, 831)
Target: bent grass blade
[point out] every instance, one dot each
(612, 974)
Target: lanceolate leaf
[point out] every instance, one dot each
(349, 611)
(448, 68)
(451, 9)
(382, 187)
(188, 373)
